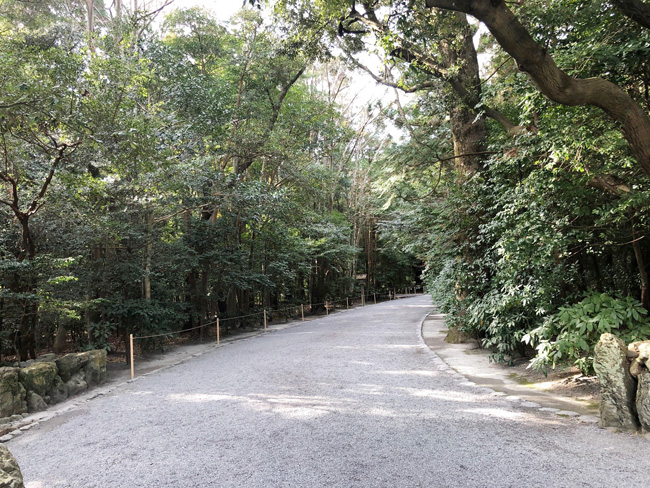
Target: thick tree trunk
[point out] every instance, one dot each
(636, 10)
(469, 132)
(60, 339)
(554, 83)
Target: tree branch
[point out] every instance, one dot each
(636, 10)
(555, 84)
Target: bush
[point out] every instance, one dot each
(570, 334)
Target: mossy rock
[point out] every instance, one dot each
(70, 364)
(617, 387)
(35, 403)
(39, 377)
(456, 336)
(77, 384)
(59, 391)
(10, 475)
(95, 368)
(12, 393)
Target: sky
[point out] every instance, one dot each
(366, 90)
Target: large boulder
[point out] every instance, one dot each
(59, 391)
(12, 393)
(95, 368)
(617, 387)
(77, 384)
(10, 475)
(70, 364)
(38, 377)
(35, 403)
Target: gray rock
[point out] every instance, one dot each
(95, 368)
(77, 384)
(70, 364)
(643, 400)
(50, 357)
(617, 387)
(456, 336)
(10, 475)
(12, 393)
(35, 402)
(59, 391)
(38, 377)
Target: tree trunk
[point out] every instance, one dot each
(60, 339)
(554, 83)
(469, 132)
(149, 253)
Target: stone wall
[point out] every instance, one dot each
(10, 475)
(624, 377)
(49, 380)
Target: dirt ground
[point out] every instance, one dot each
(565, 381)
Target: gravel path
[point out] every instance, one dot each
(355, 399)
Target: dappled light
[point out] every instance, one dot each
(309, 183)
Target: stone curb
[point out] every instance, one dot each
(587, 419)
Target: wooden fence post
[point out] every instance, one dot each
(302, 311)
(218, 331)
(264, 320)
(131, 355)
(347, 303)
(375, 297)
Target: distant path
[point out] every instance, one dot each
(352, 400)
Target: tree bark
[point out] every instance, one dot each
(554, 83)
(469, 131)
(636, 10)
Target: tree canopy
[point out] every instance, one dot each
(161, 167)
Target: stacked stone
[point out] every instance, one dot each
(624, 376)
(10, 475)
(639, 355)
(49, 380)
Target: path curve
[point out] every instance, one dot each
(354, 399)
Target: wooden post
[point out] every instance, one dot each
(302, 311)
(375, 297)
(264, 320)
(327, 308)
(218, 331)
(347, 303)
(131, 355)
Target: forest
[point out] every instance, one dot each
(162, 167)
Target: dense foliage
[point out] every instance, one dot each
(156, 175)
(163, 170)
(530, 215)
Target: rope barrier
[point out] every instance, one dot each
(221, 320)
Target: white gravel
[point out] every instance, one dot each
(355, 399)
